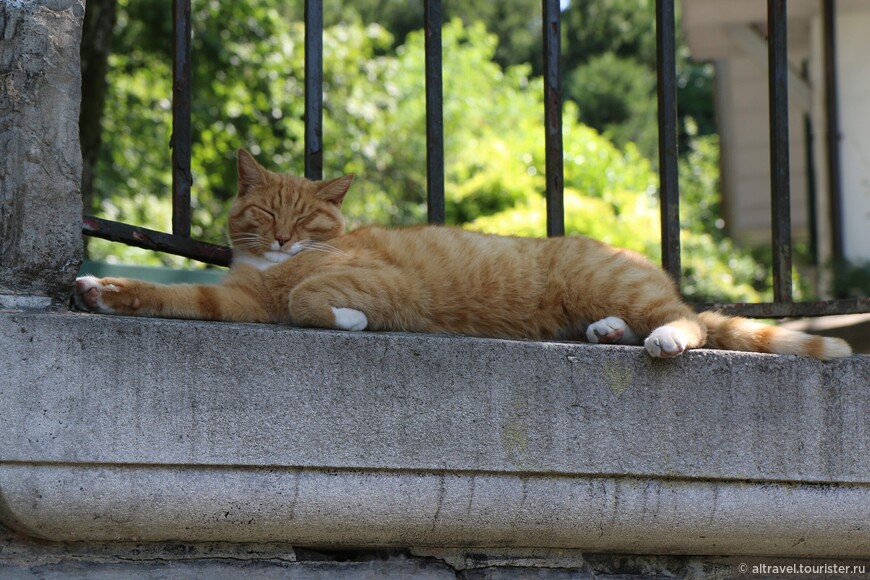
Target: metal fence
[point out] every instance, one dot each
(180, 243)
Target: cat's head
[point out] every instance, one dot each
(273, 211)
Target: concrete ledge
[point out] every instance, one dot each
(327, 508)
(119, 428)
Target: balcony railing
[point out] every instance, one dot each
(180, 243)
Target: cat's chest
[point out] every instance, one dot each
(261, 263)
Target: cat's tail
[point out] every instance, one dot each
(735, 333)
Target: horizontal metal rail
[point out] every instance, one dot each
(790, 309)
(157, 241)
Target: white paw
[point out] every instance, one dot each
(665, 342)
(87, 294)
(349, 319)
(610, 330)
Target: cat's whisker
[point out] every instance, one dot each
(247, 241)
(327, 250)
(323, 247)
(247, 237)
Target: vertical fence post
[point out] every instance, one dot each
(777, 44)
(434, 114)
(832, 131)
(314, 89)
(669, 189)
(181, 135)
(552, 33)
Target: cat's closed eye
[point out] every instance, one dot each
(261, 215)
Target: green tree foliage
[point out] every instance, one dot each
(617, 96)
(516, 23)
(610, 59)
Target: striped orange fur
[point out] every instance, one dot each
(293, 264)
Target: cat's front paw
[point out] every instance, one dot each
(88, 294)
(105, 296)
(666, 342)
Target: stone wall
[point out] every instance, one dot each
(40, 158)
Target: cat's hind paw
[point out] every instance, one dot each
(87, 295)
(665, 342)
(610, 330)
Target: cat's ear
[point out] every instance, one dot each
(251, 174)
(336, 189)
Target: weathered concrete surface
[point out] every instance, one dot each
(328, 507)
(40, 157)
(113, 390)
(23, 559)
(119, 428)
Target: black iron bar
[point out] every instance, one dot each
(314, 89)
(832, 132)
(181, 102)
(777, 44)
(158, 241)
(669, 189)
(434, 114)
(552, 31)
(791, 309)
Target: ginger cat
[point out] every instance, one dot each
(293, 264)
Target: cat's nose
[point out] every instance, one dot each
(282, 239)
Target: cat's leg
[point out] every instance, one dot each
(311, 304)
(356, 298)
(611, 330)
(230, 302)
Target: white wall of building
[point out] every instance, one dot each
(853, 57)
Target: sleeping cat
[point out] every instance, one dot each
(293, 264)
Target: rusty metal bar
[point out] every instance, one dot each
(777, 44)
(314, 89)
(669, 188)
(832, 133)
(181, 103)
(158, 241)
(552, 32)
(434, 114)
(791, 309)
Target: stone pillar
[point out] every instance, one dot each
(40, 156)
